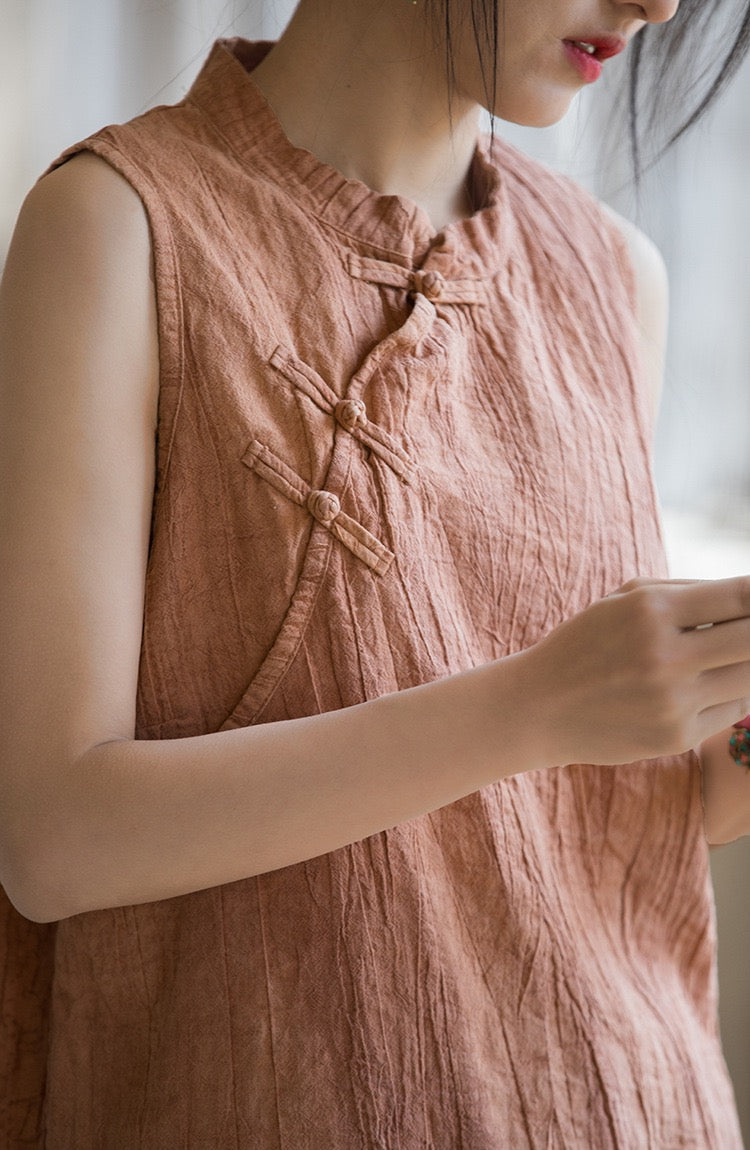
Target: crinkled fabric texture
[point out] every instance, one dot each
(384, 456)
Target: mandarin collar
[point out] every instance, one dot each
(388, 225)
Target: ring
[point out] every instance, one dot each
(739, 745)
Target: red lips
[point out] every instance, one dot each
(606, 46)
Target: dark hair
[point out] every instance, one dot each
(681, 68)
(674, 71)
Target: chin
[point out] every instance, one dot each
(538, 115)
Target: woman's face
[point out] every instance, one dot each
(540, 68)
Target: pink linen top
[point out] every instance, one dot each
(385, 455)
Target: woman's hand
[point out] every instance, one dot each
(651, 670)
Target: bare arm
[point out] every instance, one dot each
(726, 788)
(90, 817)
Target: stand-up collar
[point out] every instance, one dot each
(225, 93)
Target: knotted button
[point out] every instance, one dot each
(430, 283)
(351, 413)
(324, 505)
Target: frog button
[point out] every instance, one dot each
(324, 505)
(351, 413)
(431, 284)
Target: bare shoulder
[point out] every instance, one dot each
(652, 287)
(78, 326)
(83, 215)
(85, 183)
(648, 262)
(79, 268)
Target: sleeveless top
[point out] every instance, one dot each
(385, 455)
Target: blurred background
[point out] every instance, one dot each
(67, 67)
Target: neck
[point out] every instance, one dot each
(362, 87)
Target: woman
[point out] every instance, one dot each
(336, 603)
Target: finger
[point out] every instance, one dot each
(710, 601)
(716, 644)
(714, 719)
(725, 684)
(643, 581)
